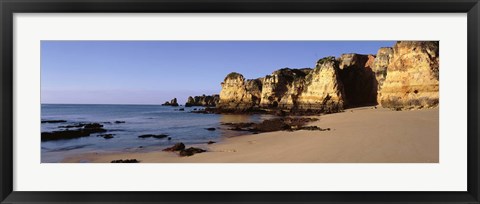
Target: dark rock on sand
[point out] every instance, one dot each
(191, 151)
(125, 161)
(71, 134)
(271, 125)
(211, 142)
(54, 121)
(176, 147)
(160, 136)
(312, 128)
(210, 129)
(240, 126)
(276, 124)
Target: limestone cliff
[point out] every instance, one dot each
(404, 76)
(282, 87)
(323, 89)
(412, 79)
(358, 78)
(380, 64)
(238, 94)
(203, 100)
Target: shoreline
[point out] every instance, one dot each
(359, 135)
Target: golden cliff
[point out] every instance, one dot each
(412, 79)
(238, 93)
(405, 76)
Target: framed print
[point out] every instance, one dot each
(240, 101)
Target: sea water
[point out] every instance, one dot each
(181, 126)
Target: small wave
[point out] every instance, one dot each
(70, 148)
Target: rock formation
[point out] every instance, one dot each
(360, 84)
(405, 76)
(302, 89)
(238, 94)
(282, 87)
(203, 100)
(412, 79)
(380, 64)
(323, 89)
(172, 102)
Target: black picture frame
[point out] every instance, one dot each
(9, 7)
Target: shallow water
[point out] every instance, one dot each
(181, 126)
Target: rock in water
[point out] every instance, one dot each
(172, 102)
(160, 136)
(71, 134)
(53, 121)
(412, 79)
(106, 136)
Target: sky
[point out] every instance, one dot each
(152, 72)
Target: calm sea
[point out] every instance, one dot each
(181, 126)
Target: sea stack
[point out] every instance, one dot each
(172, 102)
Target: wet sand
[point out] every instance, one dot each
(363, 135)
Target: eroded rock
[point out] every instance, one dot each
(412, 79)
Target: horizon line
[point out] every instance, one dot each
(104, 104)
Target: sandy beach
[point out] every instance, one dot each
(362, 135)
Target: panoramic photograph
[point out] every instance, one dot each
(239, 102)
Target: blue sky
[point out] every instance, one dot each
(151, 72)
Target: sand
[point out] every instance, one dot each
(362, 135)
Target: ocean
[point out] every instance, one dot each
(181, 126)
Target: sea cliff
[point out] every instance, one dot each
(403, 77)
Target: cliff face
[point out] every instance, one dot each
(282, 87)
(238, 94)
(412, 76)
(380, 64)
(404, 76)
(323, 89)
(203, 100)
(360, 84)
